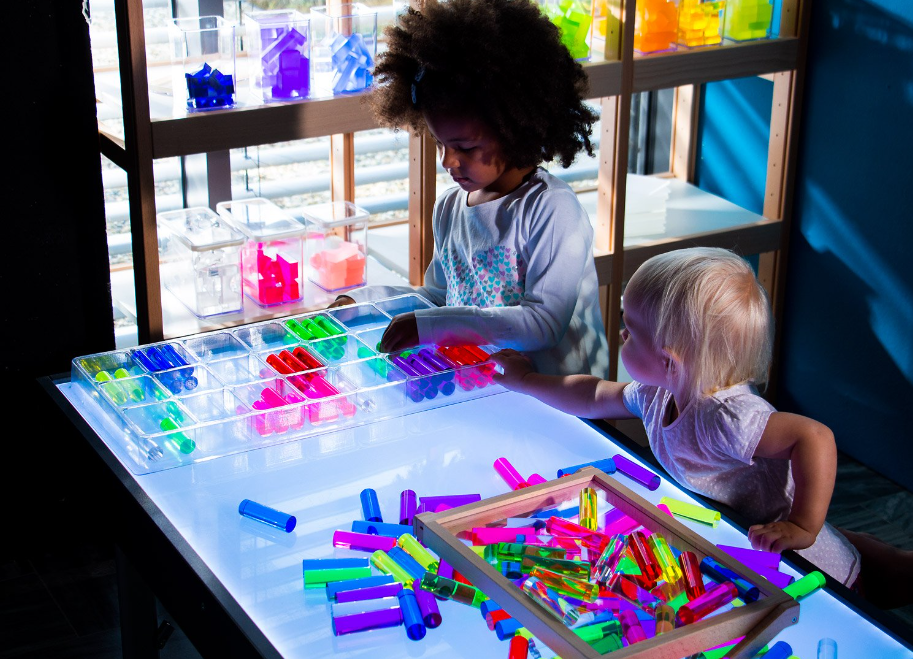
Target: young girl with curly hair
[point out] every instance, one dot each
(513, 248)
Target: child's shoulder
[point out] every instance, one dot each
(733, 406)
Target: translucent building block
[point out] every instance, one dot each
(700, 23)
(202, 63)
(747, 20)
(655, 26)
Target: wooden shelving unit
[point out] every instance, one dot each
(612, 80)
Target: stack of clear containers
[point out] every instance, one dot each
(337, 244)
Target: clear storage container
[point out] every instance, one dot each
(271, 258)
(337, 245)
(279, 46)
(200, 256)
(345, 46)
(203, 63)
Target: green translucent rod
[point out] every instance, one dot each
(185, 444)
(320, 578)
(414, 548)
(452, 590)
(135, 391)
(806, 585)
(383, 562)
(298, 329)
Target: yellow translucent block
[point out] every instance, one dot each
(655, 25)
(747, 19)
(699, 23)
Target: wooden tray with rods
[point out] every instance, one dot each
(759, 622)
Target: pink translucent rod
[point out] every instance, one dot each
(510, 475)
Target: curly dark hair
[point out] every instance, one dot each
(500, 61)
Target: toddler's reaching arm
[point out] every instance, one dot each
(581, 395)
(810, 448)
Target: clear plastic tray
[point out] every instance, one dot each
(219, 393)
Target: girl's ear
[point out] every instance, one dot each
(672, 362)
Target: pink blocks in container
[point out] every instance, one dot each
(271, 258)
(337, 245)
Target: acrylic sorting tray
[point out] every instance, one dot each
(205, 396)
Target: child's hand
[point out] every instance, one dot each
(341, 301)
(780, 536)
(401, 333)
(516, 366)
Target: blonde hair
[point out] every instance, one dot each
(708, 309)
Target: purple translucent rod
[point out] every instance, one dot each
(453, 500)
(427, 604)
(753, 557)
(433, 360)
(361, 622)
(643, 476)
(405, 366)
(777, 578)
(407, 506)
(445, 569)
(370, 593)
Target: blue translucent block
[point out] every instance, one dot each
(353, 63)
(209, 88)
(266, 515)
(370, 506)
(565, 513)
(380, 528)
(409, 564)
(607, 465)
(506, 628)
(353, 584)
(332, 563)
(412, 617)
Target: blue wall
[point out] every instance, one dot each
(847, 351)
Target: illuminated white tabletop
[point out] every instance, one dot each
(449, 450)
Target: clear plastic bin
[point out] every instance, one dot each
(200, 261)
(271, 258)
(747, 20)
(337, 245)
(203, 63)
(345, 47)
(279, 45)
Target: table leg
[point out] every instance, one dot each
(138, 616)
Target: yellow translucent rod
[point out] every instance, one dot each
(588, 508)
(383, 562)
(689, 510)
(667, 563)
(414, 548)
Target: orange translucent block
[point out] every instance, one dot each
(699, 23)
(655, 25)
(747, 19)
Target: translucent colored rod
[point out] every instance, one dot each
(184, 443)
(753, 557)
(510, 475)
(373, 592)
(633, 470)
(691, 511)
(607, 562)
(411, 565)
(558, 526)
(779, 650)
(574, 569)
(383, 562)
(332, 563)
(607, 465)
(340, 609)
(486, 535)
(617, 522)
(362, 541)
(624, 587)
(777, 578)
(336, 587)
(664, 615)
(427, 604)
(670, 570)
(550, 600)
(719, 595)
(293, 362)
(827, 648)
(631, 627)
(412, 617)
(564, 513)
(370, 506)
(452, 590)
(269, 516)
(407, 506)
(608, 644)
(515, 551)
(536, 479)
(806, 585)
(519, 648)
(298, 329)
(691, 573)
(306, 358)
(640, 551)
(415, 549)
(577, 588)
(588, 508)
(719, 573)
(452, 500)
(135, 391)
(320, 578)
(507, 628)
(380, 528)
(592, 633)
(495, 617)
(361, 622)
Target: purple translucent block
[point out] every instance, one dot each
(407, 506)
(291, 41)
(362, 622)
(293, 78)
(633, 470)
(371, 593)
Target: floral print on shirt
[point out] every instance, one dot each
(495, 278)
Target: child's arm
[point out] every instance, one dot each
(581, 395)
(810, 448)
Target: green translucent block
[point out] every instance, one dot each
(184, 443)
(452, 590)
(299, 330)
(320, 578)
(745, 20)
(573, 21)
